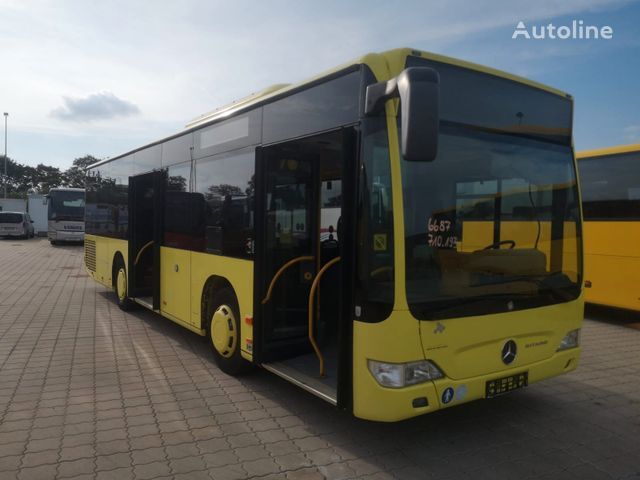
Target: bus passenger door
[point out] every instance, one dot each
(298, 265)
(145, 227)
(290, 241)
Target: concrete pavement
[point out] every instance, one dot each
(88, 391)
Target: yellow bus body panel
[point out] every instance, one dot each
(612, 263)
(175, 284)
(396, 340)
(239, 273)
(181, 289)
(470, 344)
(601, 152)
(612, 251)
(106, 249)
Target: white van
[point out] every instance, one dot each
(16, 224)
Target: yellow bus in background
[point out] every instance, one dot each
(398, 235)
(610, 184)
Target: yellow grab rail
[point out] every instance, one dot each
(314, 287)
(146, 245)
(280, 272)
(380, 270)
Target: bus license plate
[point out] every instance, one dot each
(506, 384)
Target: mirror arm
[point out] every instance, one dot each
(419, 92)
(378, 93)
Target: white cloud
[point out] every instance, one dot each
(97, 106)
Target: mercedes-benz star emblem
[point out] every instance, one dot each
(509, 352)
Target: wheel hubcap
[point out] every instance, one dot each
(223, 331)
(121, 284)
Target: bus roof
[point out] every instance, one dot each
(385, 65)
(66, 189)
(600, 152)
(393, 58)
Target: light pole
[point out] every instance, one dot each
(6, 114)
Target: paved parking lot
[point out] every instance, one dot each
(87, 391)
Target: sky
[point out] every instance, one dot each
(101, 78)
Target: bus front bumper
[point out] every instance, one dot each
(374, 402)
(66, 236)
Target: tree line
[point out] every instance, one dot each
(23, 179)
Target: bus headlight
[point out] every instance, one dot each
(570, 340)
(398, 375)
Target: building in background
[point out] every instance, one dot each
(37, 205)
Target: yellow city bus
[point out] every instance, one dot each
(610, 184)
(396, 236)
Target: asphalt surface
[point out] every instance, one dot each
(88, 391)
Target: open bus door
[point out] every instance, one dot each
(303, 284)
(146, 194)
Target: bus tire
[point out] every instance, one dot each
(223, 333)
(120, 285)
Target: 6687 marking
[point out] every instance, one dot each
(439, 234)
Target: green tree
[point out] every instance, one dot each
(223, 190)
(177, 183)
(74, 176)
(20, 178)
(47, 177)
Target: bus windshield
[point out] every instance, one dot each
(66, 206)
(492, 224)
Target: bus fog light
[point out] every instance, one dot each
(397, 375)
(571, 340)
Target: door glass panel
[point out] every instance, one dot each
(289, 235)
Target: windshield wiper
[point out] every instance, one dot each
(554, 283)
(443, 305)
(68, 218)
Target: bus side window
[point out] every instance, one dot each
(226, 183)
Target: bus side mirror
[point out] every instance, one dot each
(419, 92)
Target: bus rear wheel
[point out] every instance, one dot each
(120, 286)
(223, 333)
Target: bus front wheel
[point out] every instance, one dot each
(223, 333)
(120, 286)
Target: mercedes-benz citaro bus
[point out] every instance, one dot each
(65, 214)
(398, 235)
(610, 184)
